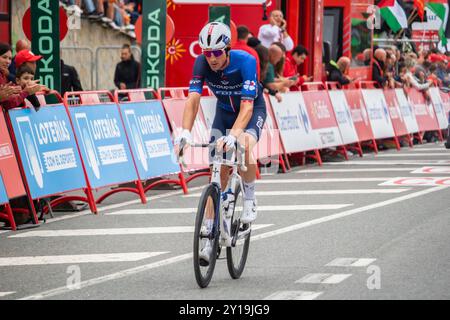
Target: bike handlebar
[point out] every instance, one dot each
(240, 149)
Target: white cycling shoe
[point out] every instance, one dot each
(250, 213)
(205, 254)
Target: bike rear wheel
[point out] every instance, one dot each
(237, 254)
(208, 201)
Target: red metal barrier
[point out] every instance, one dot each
(375, 85)
(62, 199)
(426, 117)
(86, 98)
(173, 102)
(357, 145)
(138, 95)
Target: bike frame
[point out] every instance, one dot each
(224, 219)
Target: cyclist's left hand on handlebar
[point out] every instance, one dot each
(226, 142)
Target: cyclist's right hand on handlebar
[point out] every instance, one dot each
(182, 140)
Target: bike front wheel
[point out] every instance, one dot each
(238, 252)
(207, 207)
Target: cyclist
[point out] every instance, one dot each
(240, 111)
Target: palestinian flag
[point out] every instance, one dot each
(394, 15)
(440, 9)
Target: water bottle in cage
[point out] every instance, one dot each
(228, 202)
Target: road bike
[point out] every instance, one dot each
(226, 209)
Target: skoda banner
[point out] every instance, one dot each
(103, 145)
(45, 41)
(48, 150)
(153, 43)
(150, 140)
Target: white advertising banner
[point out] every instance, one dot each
(378, 112)
(439, 108)
(343, 116)
(407, 111)
(294, 124)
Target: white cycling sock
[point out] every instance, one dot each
(249, 190)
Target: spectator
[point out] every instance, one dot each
(412, 81)
(279, 68)
(337, 71)
(293, 60)
(379, 60)
(275, 31)
(441, 72)
(367, 56)
(276, 54)
(8, 91)
(14, 96)
(70, 80)
(252, 42)
(20, 45)
(25, 77)
(28, 58)
(267, 77)
(241, 44)
(127, 74)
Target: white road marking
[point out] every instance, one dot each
(417, 181)
(81, 258)
(101, 209)
(109, 277)
(260, 208)
(351, 262)
(432, 170)
(184, 257)
(345, 213)
(327, 180)
(356, 170)
(114, 231)
(429, 149)
(293, 295)
(4, 294)
(323, 278)
(388, 163)
(317, 192)
(397, 155)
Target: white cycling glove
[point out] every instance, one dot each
(186, 135)
(228, 140)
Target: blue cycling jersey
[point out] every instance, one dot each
(238, 81)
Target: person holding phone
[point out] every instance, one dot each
(275, 31)
(293, 60)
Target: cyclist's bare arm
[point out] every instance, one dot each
(244, 116)
(190, 110)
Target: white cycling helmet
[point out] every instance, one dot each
(214, 36)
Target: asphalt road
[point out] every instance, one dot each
(331, 232)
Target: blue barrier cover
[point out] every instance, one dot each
(103, 144)
(48, 150)
(3, 195)
(149, 136)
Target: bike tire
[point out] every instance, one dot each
(235, 266)
(204, 280)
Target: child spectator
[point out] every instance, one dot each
(25, 78)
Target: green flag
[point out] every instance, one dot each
(153, 43)
(45, 42)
